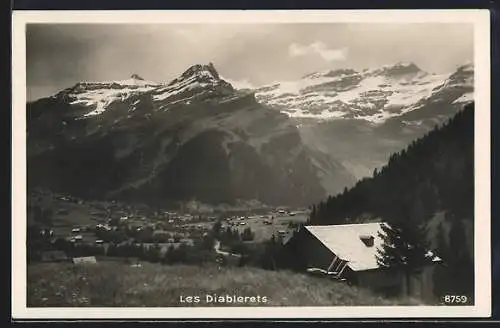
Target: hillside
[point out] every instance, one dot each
(152, 285)
(194, 137)
(430, 184)
(434, 174)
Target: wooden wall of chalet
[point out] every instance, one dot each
(312, 250)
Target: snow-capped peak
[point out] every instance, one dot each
(196, 80)
(98, 95)
(202, 73)
(331, 73)
(136, 77)
(239, 84)
(374, 95)
(136, 80)
(468, 66)
(397, 69)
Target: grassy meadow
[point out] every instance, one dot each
(107, 284)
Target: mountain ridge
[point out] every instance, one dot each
(195, 137)
(374, 95)
(340, 150)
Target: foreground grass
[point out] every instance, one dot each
(155, 285)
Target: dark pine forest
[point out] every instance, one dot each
(433, 177)
(433, 174)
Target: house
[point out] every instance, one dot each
(348, 253)
(84, 260)
(54, 256)
(47, 233)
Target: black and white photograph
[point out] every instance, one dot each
(289, 164)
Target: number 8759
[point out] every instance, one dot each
(455, 299)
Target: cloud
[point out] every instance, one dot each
(239, 84)
(317, 48)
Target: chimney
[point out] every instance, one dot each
(368, 240)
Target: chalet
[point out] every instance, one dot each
(348, 253)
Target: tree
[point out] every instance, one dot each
(404, 248)
(170, 255)
(441, 272)
(216, 229)
(247, 234)
(313, 215)
(153, 253)
(206, 243)
(460, 261)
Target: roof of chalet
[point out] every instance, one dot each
(344, 241)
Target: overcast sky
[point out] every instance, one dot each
(60, 55)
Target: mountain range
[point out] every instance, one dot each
(195, 137)
(361, 118)
(199, 136)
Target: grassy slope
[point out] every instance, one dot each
(111, 284)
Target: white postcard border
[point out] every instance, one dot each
(482, 243)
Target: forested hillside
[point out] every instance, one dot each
(433, 174)
(429, 185)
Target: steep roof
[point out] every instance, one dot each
(345, 241)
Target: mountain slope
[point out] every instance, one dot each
(430, 184)
(434, 175)
(195, 137)
(360, 118)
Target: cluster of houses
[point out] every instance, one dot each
(166, 227)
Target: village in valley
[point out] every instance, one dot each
(66, 229)
(78, 230)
